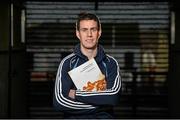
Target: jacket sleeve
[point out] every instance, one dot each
(63, 84)
(109, 96)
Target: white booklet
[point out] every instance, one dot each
(88, 77)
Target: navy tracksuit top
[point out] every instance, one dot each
(86, 102)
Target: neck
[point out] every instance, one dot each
(90, 53)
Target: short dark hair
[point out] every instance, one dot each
(87, 16)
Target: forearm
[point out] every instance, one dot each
(106, 99)
(109, 96)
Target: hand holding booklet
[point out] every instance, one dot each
(88, 77)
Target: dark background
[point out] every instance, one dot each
(15, 85)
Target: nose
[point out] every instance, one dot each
(89, 33)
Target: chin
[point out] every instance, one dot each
(90, 47)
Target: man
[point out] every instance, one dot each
(83, 104)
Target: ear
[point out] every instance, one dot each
(77, 34)
(99, 33)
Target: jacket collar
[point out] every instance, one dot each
(99, 57)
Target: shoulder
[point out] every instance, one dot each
(68, 57)
(110, 59)
(111, 62)
(66, 61)
(70, 61)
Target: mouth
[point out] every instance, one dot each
(89, 40)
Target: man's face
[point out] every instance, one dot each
(88, 34)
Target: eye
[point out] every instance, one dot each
(84, 30)
(94, 29)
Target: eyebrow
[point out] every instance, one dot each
(90, 28)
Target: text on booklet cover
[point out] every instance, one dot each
(88, 77)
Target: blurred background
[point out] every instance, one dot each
(143, 35)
